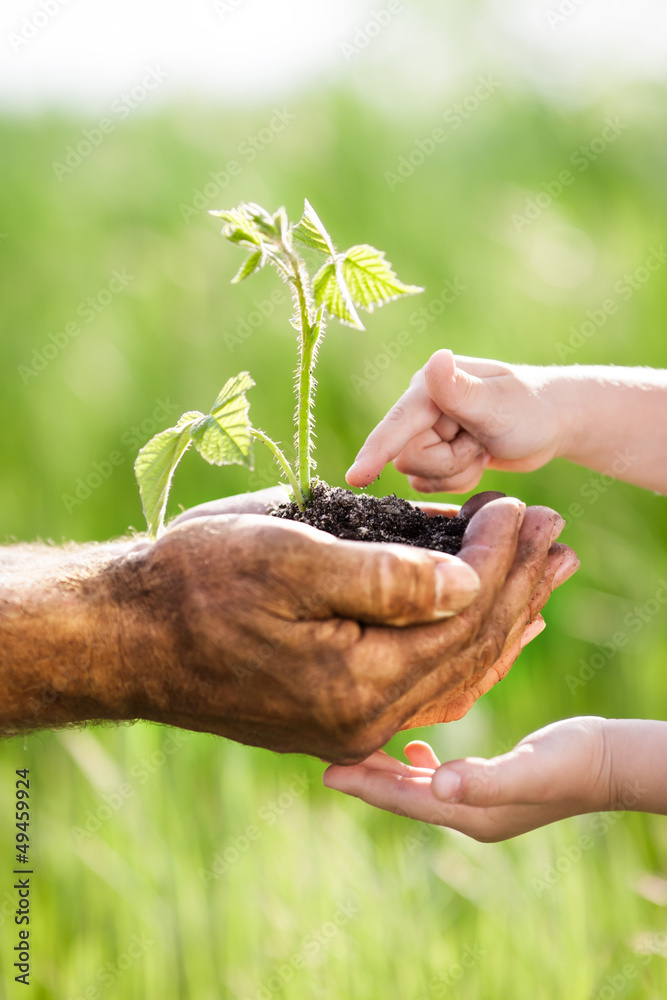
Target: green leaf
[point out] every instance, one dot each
(252, 263)
(370, 279)
(222, 437)
(281, 223)
(310, 232)
(331, 292)
(267, 223)
(239, 226)
(155, 466)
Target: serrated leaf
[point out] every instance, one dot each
(252, 263)
(154, 468)
(370, 278)
(331, 292)
(222, 437)
(238, 226)
(264, 221)
(310, 232)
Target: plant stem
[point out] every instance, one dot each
(281, 459)
(311, 329)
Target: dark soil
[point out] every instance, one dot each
(365, 518)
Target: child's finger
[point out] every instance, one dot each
(428, 457)
(414, 412)
(420, 754)
(462, 483)
(414, 797)
(405, 796)
(382, 761)
(515, 778)
(474, 402)
(446, 428)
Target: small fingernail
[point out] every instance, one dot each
(557, 529)
(456, 584)
(532, 631)
(522, 512)
(446, 784)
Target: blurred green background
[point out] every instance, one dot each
(371, 905)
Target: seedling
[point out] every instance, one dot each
(361, 277)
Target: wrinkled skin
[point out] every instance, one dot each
(276, 634)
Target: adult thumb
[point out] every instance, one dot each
(390, 584)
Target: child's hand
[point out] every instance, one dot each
(461, 415)
(561, 770)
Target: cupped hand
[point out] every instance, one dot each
(459, 416)
(276, 634)
(559, 771)
(529, 579)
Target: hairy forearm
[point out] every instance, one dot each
(614, 421)
(67, 634)
(638, 764)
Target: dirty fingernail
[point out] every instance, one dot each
(446, 784)
(566, 569)
(456, 584)
(532, 630)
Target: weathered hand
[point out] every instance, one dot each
(562, 563)
(561, 770)
(263, 638)
(276, 634)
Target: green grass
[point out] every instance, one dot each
(425, 899)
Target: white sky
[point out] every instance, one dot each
(85, 53)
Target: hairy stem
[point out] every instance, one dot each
(311, 328)
(281, 459)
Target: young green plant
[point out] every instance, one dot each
(359, 278)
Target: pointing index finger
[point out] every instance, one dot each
(413, 413)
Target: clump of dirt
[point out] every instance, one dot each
(364, 518)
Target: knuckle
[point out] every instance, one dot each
(407, 463)
(440, 486)
(368, 709)
(468, 391)
(355, 749)
(484, 836)
(470, 483)
(355, 736)
(389, 598)
(350, 714)
(480, 788)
